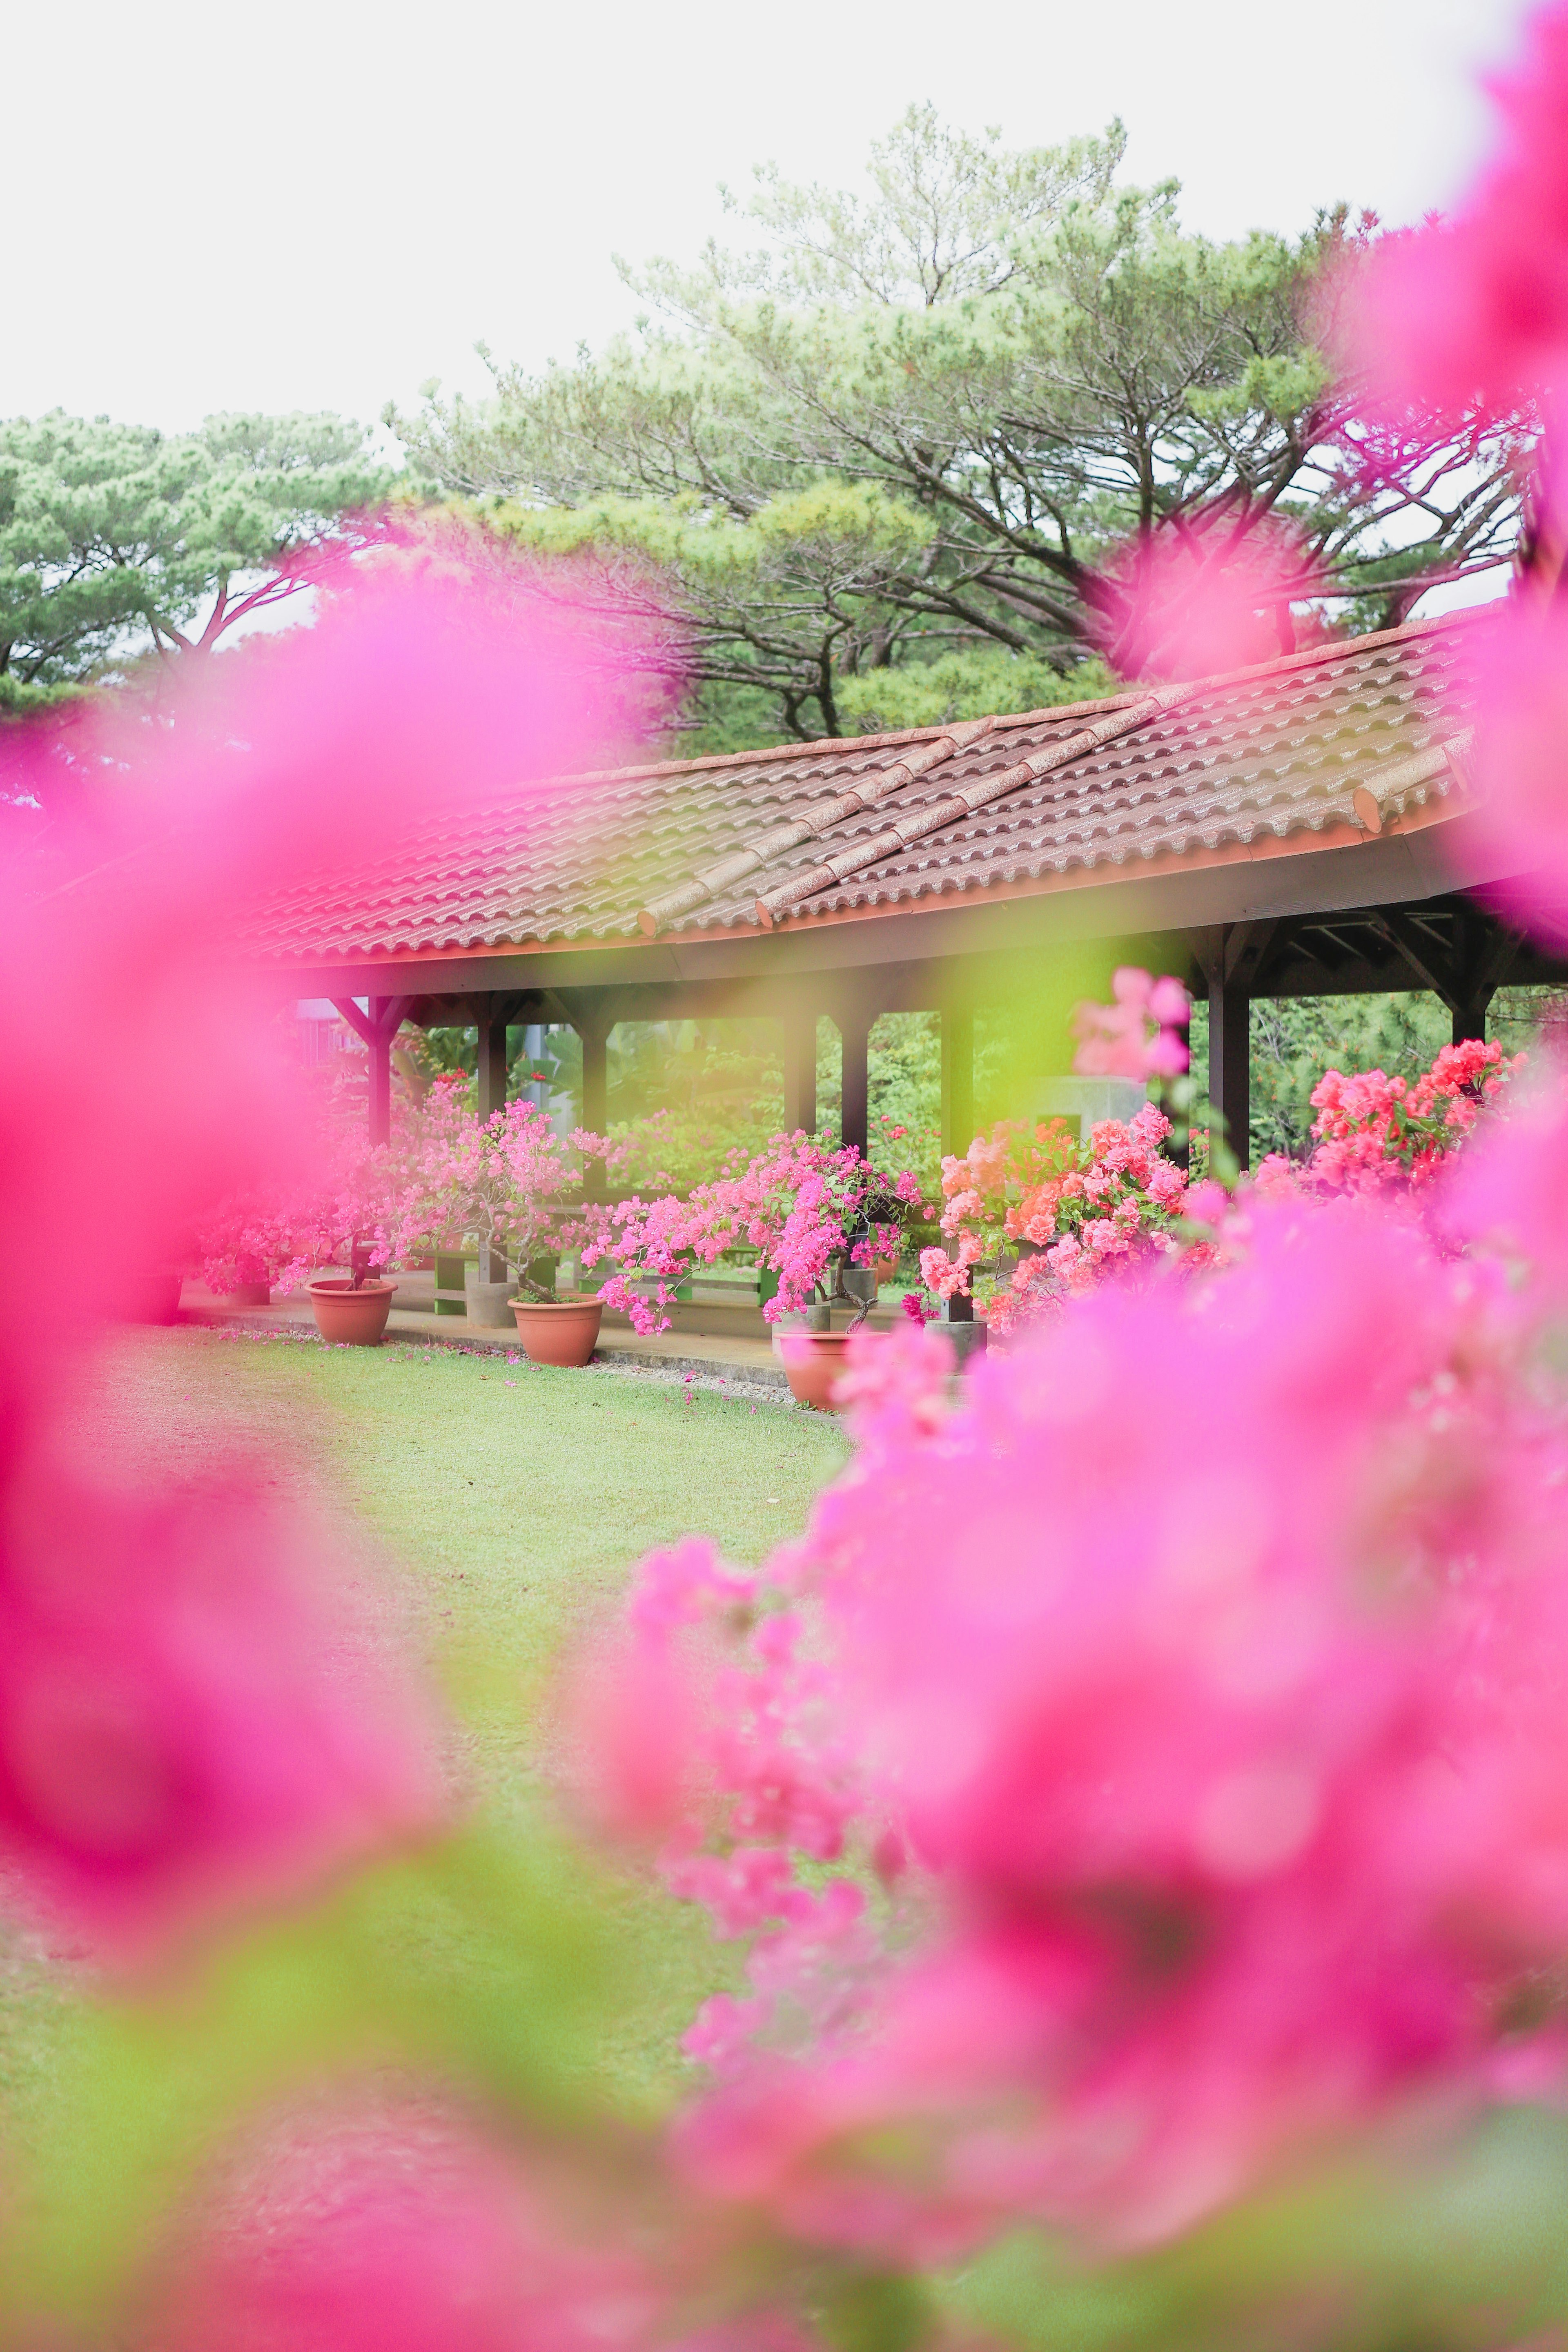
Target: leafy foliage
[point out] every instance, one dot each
(112, 536)
(923, 427)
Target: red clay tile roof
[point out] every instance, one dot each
(1327, 740)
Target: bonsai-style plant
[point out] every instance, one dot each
(507, 1184)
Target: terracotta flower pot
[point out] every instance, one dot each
(559, 1330)
(884, 1268)
(350, 1319)
(813, 1361)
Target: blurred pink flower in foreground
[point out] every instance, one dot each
(1232, 1775)
(1520, 760)
(1141, 1035)
(190, 1715)
(1470, 318)
(1194, 604)
(185, 1723)
(1477, 307)
(396, 2236)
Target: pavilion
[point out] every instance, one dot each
(1299, 828)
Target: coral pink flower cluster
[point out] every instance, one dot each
(1073, 1211)
(797, 1206)
(1213, 1762)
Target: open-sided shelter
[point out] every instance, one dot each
(1301, 828)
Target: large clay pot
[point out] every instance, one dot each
(559, 1330)
(813, 1362)
(346, 1317)
(818, 1317)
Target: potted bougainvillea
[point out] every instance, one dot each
(509, 1185)
(248, 1247)
(1033, 1215)
(821, 1223)
(349, 1221)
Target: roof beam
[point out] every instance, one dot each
(1424, 958)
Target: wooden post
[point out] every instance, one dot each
(957, 1079)
(855, 1096)
(800, 1070)
(1233, 960)
(378, 1046)
(1230, 1059)
(1484, 949)
(1470, 1018)
(492, 1098)
(492, 1072)
(595, 1037)
(376, 1027)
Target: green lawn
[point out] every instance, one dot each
(500, 1505)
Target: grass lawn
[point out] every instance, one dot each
(504, 1502)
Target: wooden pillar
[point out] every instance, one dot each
(800, 1070)
(376, 1027)
(1470, 1017)
(491, 1061)
(855, 1096)
(595, 1037)
(492, 1098)
(1230, 1059)
(957, 1079)
(378, 1046)
(1483, 953)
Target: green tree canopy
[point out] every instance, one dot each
(115, 536)
(1033, 366)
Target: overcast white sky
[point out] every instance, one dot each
(319, 206)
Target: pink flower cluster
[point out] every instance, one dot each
(1218, 1787)
(796, 1206)
(402, 2231)
(1189, 603)
(506, 1184)
(1381, 1135)
(1074, 1211)
(1467, 320)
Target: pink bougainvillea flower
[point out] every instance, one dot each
(190, 1718)
(1140, 1035)
(399, 2234)
(1229, 1784)
(181, 1726)
(1195, 604)
(1476, 309)
(1519, 765)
